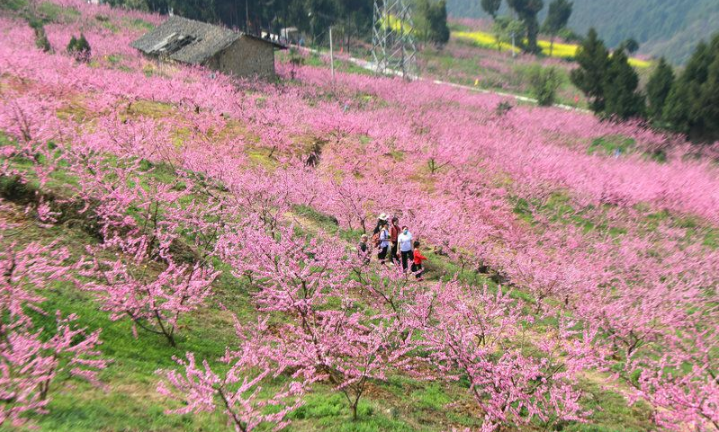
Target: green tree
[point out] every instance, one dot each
(709, 102)
(438, 23)
(658, 88)
(357, 18)
(590, 77)
(421, 19)
(41, 40)
(504, 28)
(201, 10)
(630, 45)
(569, 35)
(622, 100)
(557, 19)
(690, 107)
(544, 83)
(79, 48)
(431, 21)
(527, 11)
(676, 108)
(322, 14)
(491, 7)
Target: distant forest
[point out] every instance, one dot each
(255, 16)
(670, 28)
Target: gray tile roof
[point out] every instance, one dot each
(187, 41)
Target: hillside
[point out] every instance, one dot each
(179, 249)
(663, 27)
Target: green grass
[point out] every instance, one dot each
(618, 146)
(128, 401)
(13, 5)
(329, 412)
(140, 24)
(513, 77)
(51, 12)
(611, 412)
(612, 145)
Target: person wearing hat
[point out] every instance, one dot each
(383, 242)
(381, 220)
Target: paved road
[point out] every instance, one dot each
(371, 66)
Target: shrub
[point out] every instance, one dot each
(503, 108)
(41, 40)
(79, 48)
(544, 83)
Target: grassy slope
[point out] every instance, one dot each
(129, 402)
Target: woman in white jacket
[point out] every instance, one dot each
(405, 248)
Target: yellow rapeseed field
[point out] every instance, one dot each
(560, 50)
(396, 24)
(484, 40)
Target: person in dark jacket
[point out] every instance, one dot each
(394, 231)
(381, 220)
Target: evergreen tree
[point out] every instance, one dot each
(557, 19)
(421, 19)
(72, 44)
(357, 18)
(676, 108)
(491, 7)
(692, 105)
(527, 11)
(544, 83)
(630, 45)
(322, 14)
(709, 102)
(593, 59)
(438, 23)
(505, 29)
(201, 10)
(622, 100)
(79, 48)
(431, 21)
(658, 88)
(38, 26)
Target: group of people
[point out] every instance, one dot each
(397, 242)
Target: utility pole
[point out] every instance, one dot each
(332, 57)
(393, 47)
(332, 51)
(514, 51)
(247, 16)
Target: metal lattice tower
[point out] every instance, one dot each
(393, 47)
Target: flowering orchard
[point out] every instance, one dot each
(552, 264)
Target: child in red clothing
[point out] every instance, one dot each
(417, 267)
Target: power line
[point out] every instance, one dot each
(393, 47)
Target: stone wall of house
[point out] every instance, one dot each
(246, 57)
